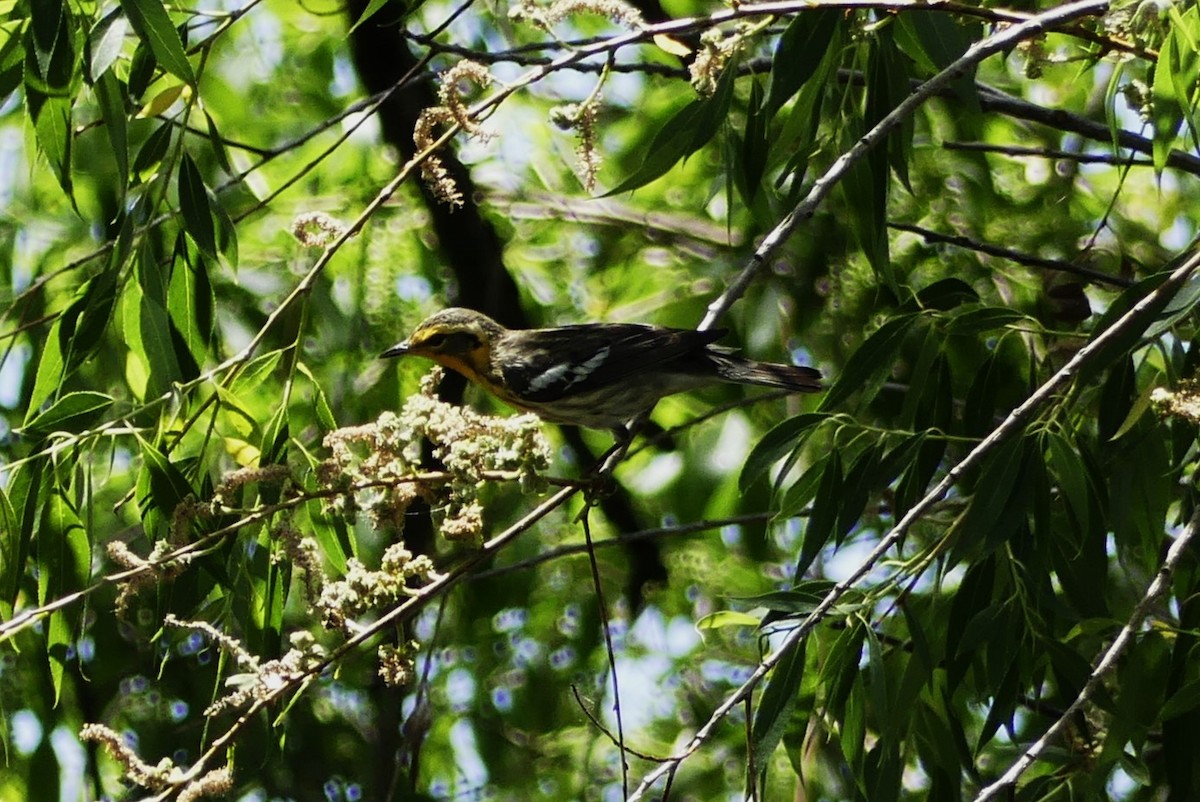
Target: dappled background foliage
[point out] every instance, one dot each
(241, 555)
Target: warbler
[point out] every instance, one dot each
(600, 375)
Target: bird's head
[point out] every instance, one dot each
(459, 339)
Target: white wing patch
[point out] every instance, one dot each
(567, 373)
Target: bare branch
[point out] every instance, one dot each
(824, 185)
(1108, 661)
(1014, 423)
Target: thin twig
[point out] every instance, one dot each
(824, 185)
(1015, 422)
(1106, 664)
(1018, 151)
(608, 645)
(620, 540)
(598, 724)
(1014, 256)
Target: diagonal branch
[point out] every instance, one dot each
(1107, 663)
(1012, 425)
(821, 188)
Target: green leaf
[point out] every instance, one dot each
(110, 93)
(105, 41)
(979, 319)
(52, 50)
(799, 52)
(52, 126)
(193, 204)
(154, 27)
(152, 151)
(191, 302)
(795, 601)
(870, 365)
(1072, 478)
(777, 702)
(148, 335)
(992, 512)
(751, 159)
(687, 131)
(371, 10)
(50, 371)
(918, 475)
(217, 143)
(168, 486)
(64, 566)
(11, 564)
(73, 412)
(825, 512)
(726, 618)
(935, 40)
(324, 413)
(1184, 700)
(776, 444)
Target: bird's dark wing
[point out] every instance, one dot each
(580, 359)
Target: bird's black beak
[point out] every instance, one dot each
(399, 349)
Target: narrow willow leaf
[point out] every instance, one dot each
(153, 25)
(50, 371)
(799, 52)
(73, 412)
(980, 319)
(105, 41)
(52, 59)
(110, 93)
(916, 478)
(870, 365)
(190, 302)
(993, 510)
(148, 335)
(672, 46)
(52, 126)
(193, 204)
(324, 413)
(1184, 700)
(218, 144)
(371, 10)
(1167, 108)
(755, 149)
(167, 484)
(11, 568)
(826, 508)
(776, 444)
(1071, 476)
(152, 151)
(162, 101)
(687, 131)
(64, 566)
(778, 700)
(726, 618)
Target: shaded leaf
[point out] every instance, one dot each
(777, 702)
(687, 131)
(798, 53)
(153, 25)
(64, 561)
(776, 444)
(193, 204)
(870, 365)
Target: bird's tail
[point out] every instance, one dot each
(767, 374)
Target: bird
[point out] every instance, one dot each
(597, 375)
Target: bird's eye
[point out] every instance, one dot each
(436, 340)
